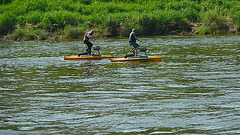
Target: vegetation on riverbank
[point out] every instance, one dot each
(70, 19)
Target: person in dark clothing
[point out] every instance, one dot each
(132, 41)
(86, 41)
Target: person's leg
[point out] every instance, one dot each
(135, 51)
(89, 46)
(135, 45)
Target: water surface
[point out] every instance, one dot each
(194, 90)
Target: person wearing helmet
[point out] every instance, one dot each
(86, 41)
(132, 41)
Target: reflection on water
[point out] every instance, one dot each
(194, 90)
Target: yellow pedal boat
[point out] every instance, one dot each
(88, 57)
(138, 58)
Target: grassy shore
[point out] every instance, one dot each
(70, 19)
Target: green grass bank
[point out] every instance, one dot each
(69, 19)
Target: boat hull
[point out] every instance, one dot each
(148, 58)
(88, 57)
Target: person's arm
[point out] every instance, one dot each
(138, 39)
(92, 37)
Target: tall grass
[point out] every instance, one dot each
(74, 32)
(118, 17)
(54, 20)
(7, 22)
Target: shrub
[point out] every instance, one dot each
(2, 2)
(15, 7)
(21, 20)
(204, 30)
(34, 17)
(58, 19)
(172, 20)
(7, 22)
(33, 5)
(116, 23)
(26, 33)
(237, 18)
(118, 17)
(37, 34)
(191, 14)
(180, 5)
(215, 16)
(18, 34)
(113, 27)
(74, 32)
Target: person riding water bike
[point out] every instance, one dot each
(86, 41)
(132, 41)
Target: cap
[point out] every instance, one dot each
(92, 31)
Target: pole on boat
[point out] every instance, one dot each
(77, 49)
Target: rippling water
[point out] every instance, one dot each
(194, 90)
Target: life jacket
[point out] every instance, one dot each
(87, 36)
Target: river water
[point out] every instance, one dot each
(194, 90)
